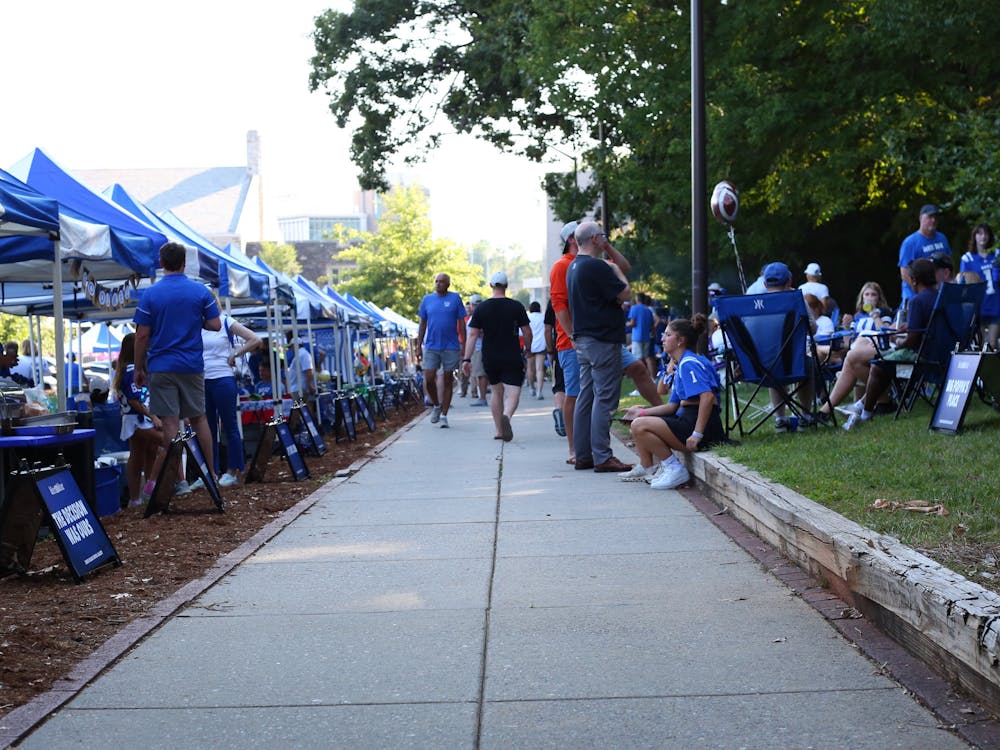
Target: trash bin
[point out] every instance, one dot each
(108, 491)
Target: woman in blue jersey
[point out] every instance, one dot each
(980, 264)
(688, 422)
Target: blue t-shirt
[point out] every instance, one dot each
(694, 375)
(74, 376)
(643, 317)
(917, 246)
(443, 313)
(175, 308)
(989, 273)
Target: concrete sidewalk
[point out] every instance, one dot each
(459, 592)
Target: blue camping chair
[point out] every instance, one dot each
(953, 327)
(770, 347)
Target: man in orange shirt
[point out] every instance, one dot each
(564, 344)
(634, 369)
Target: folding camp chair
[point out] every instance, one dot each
(770, 347)
(953, 327)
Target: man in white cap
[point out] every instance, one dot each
(497, 320)
(814, 283)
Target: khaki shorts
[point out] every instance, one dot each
(177, 394)
(477, 365)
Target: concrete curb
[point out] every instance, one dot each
(24, 719)
(949, 622)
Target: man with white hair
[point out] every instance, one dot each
(596, 289)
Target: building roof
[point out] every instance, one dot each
(209, 199)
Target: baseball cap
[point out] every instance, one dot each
(813, 269)
(567, 231)
(941, 260)
(776, 274)
(475, 299)
(929, 210)
(498, 279)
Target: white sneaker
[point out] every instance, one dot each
(228, 480)
(182, 488)
(436, 415)
(670, 478)
(654, 472)
(540, 397)
(444, 420)
(854, 420)
(197, 484)
(637, 473)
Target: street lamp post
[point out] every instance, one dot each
(699, 215)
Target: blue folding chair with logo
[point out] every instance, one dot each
(952, 327)
(770, 347)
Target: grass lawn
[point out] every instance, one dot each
(897, 460)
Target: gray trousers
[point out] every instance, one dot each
(600, 390)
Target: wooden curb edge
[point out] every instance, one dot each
(951, 623)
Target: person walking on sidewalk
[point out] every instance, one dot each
(168, 354)
(596, 289)
(478, 379)
(497, 320)
(688, 422)
(536, 356)
(440, 341)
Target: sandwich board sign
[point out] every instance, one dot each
(81, 537)
(967, 372)
(159, 502)
(275, 433)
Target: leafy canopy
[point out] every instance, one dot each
(281, 258)
(397, 266)
(835, 118)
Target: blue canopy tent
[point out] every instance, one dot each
(25, 212)
(102, 338)
(130, 251)
(110, 251)
(236, 278)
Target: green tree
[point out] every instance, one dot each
(396, 266)
(835, 119)
(281, 257)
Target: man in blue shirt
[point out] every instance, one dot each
(640, 323)
(168, 353)
(440, 341)
(926, 241)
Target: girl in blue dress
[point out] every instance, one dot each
(688, 422)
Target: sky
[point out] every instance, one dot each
(114, 85)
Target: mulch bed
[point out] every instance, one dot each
(48, 623)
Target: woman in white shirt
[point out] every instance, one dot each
(220, 353)
(536, 357)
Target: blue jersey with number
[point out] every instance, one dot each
(694, 375)
(989, 273)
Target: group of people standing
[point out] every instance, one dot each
(584, 333)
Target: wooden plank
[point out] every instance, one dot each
(955, 616)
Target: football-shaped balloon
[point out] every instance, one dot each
(725, 202)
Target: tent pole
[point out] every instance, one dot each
(57, 314)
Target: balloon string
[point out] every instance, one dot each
(739, 264)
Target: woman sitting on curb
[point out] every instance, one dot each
(687, 422)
